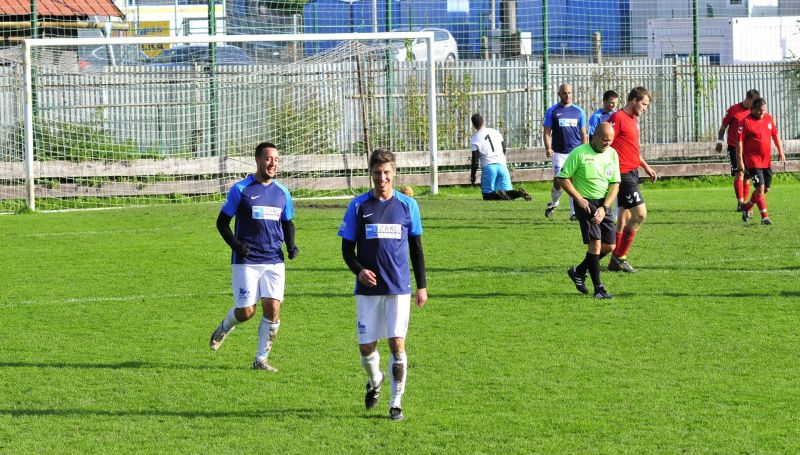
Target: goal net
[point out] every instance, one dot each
(105, 124)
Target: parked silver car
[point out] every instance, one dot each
(445, 48)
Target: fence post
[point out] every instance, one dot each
(698, 83)
(28, 127)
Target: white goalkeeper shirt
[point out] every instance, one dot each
(489, 144)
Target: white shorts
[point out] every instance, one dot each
(251, 282)
(558, 162)
(382, 316)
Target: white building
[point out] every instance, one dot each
(727, 40)
(643, 11)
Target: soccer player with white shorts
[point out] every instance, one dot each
(380, 229)
(563, 129)
(263, 210)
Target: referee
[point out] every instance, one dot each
(591, 177)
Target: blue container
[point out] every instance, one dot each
(572, 23)
(465, 19)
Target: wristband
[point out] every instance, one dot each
(720, 141)
(606, 209)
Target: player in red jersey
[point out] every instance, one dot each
(632, 209)
(733, 118)
(753, 153)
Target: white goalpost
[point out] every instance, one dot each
(168, 129)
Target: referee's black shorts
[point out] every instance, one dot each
(605, 231)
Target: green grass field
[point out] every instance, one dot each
(106, 317)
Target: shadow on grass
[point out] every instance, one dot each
(134, 365)
(305, 413)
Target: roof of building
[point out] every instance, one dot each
(60, 8)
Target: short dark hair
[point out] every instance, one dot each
(638, 94)
(262, 147)
(477, 120)
(753, 94)
(380, 157)
(608, 94)
(758, 103)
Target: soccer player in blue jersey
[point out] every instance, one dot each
(263, 210)
(610, 100)
(380, 229)
(489, 148)
(564, 128)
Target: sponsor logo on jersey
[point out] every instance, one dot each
(384, 231)
(263, 212)
(244, 293)
(609, 171)
(568, 122)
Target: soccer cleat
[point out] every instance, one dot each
(601, 293)
(573, 217)
(618, 264)
(548, 211)
(219, 336)
(740, 207)
(373, 393)
(766, 221)
(525, 194)
(580, 281)
(263, 365)
(396, 414)
(746, 215)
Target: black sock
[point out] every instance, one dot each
(513, 194)
(594, 268)
(602, 255)
(581, 268)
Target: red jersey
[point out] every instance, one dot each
(626, 140)
(733, 119)
(756, 135)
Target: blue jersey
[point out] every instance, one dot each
(565, 122)
(259, 210)
(381, 230)
(599, 116)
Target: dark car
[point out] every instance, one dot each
(112, 55)
(197, 54)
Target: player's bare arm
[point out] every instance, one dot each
(548, 143)
(781, 156)
(739, 151)
(648, 170)
(566, 185)
(584, 136)
(720, 138)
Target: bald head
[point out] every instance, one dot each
(565, 94)
(603, 137)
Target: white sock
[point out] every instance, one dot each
(555, 195)
(398, 367)
(267, 332)
(372, 366)
(230, 321)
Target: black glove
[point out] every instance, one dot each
(242, 250)
(293, 252)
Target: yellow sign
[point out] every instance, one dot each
(154, 28)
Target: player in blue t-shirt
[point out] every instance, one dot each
(610, 100)
(563, 129)
(263, 210)
(379, 230)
